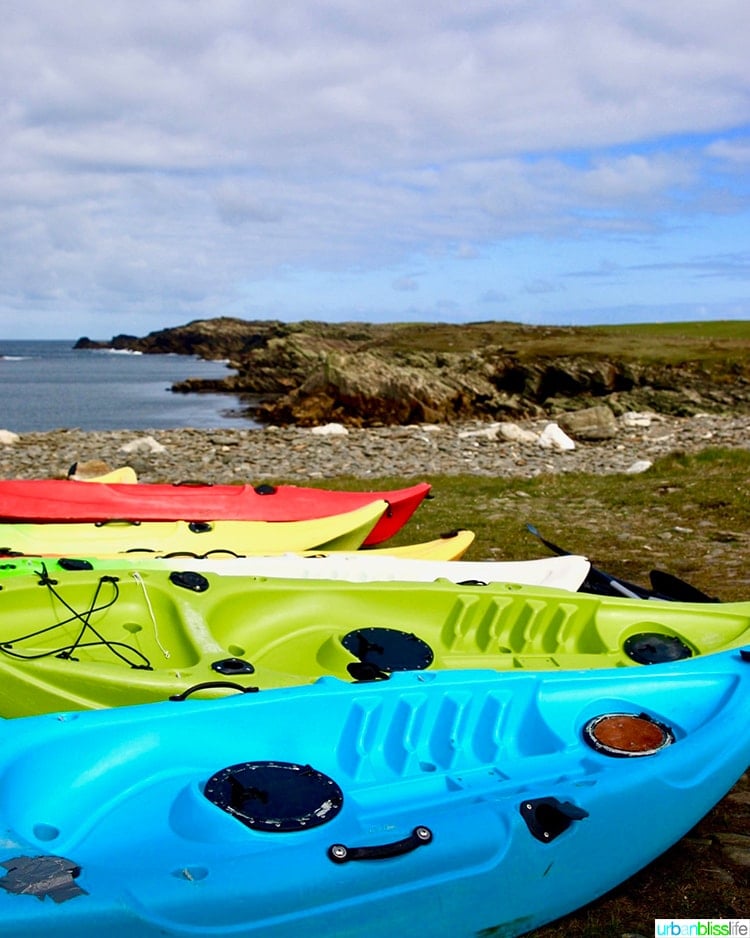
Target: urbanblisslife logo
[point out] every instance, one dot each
(706, 928)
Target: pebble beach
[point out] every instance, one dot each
(225, 456)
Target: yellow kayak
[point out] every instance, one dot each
(345, 531)
(123, 475)
(450, 546)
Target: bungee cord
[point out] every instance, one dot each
(68, 650)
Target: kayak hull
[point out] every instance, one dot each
(462, 804)
(66, 500)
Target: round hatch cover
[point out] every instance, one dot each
(389, 649)
(655, 648)
(627, 734)
(275, 796)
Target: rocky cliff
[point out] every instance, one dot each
(360, 374)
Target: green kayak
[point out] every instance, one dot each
(87, 639)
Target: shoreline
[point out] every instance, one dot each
(229, 455)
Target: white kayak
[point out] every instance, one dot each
(566, 573)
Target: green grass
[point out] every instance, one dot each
(713, 344)
(688, 515)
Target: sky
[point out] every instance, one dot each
(563, 162)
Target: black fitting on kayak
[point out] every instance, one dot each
(419, 837)
(265, 489)
(547, 818)
(189, 580)
(654, 648)
(41, 877)
(200, 527)
(275, 797)
(44, 577)
(365, 672)
(233, 666)
(388, 649)
(74, 563)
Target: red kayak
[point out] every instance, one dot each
(42, 500)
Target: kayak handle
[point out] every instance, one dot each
(101, 524)
(208, 684)
(419, 837)
(192, 555)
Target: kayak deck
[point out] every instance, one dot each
(86, 639)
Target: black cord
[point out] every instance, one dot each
(67, 651)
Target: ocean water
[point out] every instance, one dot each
(50, 386)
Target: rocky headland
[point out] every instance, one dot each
(422, 399)
(371, 375)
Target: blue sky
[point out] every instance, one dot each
(546, 162)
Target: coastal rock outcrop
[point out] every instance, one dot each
(366, 374)
(362, 389)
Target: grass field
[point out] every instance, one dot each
(713, 344)
(688, 515)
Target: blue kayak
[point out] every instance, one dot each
(446, 803)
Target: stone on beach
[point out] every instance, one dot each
(589, 423)
(552, 437)
(516, 434)
(640, 465)
(330, 429)
(146, 444)
(634, 418)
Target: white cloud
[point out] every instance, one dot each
(164, 156)
(736, 153)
